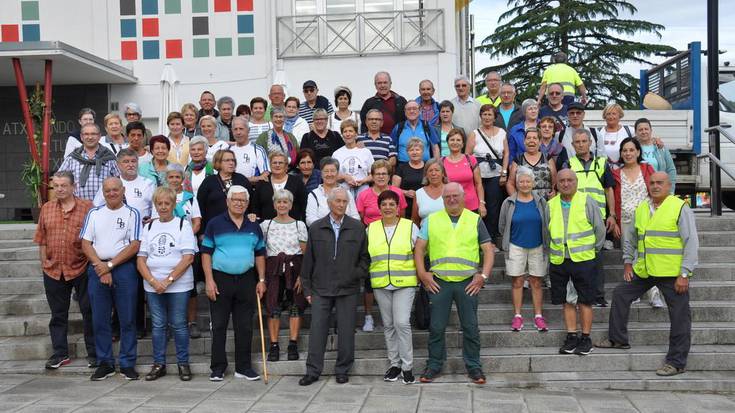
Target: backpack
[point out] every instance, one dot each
(181, 223)
(427, 133)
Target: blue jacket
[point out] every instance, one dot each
(516, 138)
(434, 120)
(406, 133)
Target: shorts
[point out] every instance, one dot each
(582, 275)
(518, 258)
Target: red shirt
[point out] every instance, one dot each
(367, 204)
(389, 108)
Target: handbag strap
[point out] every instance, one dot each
(487, 142)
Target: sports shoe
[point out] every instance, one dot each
(540, 323)
(392, 374)
(54, 362)
(408, 377)
(656, 301)
(248, 374)
(129, 373)
(517, 323)
(157, 371)
(293, 351)
(429, 375)
(217, 375)
(601, 302)
(608, 245)
(607, 343)
(584, 346)
(669, 370)
(194, 331)
(103, 371)
(476, 376)
(91, 362)
(274, 354)
(369, 325)
(570, 343)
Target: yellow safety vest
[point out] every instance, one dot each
(391, 259)
(579, 237)
(485, 100)
(454, 253)
(563, 74)
(590, 181)
(660, 247)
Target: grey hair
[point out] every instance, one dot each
(508, 84)
(383, 72)
(226, 99)
(548, 89)
(126, 153)
(134, 107)
(374, 111)
(428, 164)
(496, 72)
(463, 78)
(524, 171)
(65, 174)
(334, 192)
(414, 142)
(283, 194)
(461, 190)
(427, 80)
(240, 118)
(199, 140)
(175, 167)
(318, 111)
(559, 57)
(208, 118)
(275, 110)
(238, 189)
(328, 160)
(583, 131)
(93, 125)
(527, 104)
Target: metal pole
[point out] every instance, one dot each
(713, 102)
(46, 130)
(472, 54)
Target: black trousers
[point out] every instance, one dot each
(321, 308)
(494, 196)
(58, 295)
(237, 298)
(680, 315)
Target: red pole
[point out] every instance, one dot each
(20, 81)
(46, 130)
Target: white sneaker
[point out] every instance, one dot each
(525, 285)
(608, 245)
(656, 301)
(369, 325)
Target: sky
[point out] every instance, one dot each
(685, 21)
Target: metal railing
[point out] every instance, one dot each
(360, 34)
(722, 128)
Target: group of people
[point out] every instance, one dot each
(297, 204)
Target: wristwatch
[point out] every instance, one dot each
(110, 264)
(171, 278)
(261, 280)
(684, 275)
(484, 277)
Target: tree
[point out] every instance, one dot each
(590, 32)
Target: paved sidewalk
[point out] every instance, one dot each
(44, 393)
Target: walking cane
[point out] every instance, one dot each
(262, 339)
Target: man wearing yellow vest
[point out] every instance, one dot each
(492, 83)
(393, 278)
(576, 235)
(596, 180)
(454, 237)
(560, 72)
(660, 250)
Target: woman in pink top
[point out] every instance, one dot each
(462, 169)
(367, 200)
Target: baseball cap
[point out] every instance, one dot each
(309, 83)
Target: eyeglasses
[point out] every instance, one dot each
(374, 119)
(131, 114)
(239, 201)
(461, 85)
(316, 119)
(278, 163)
(309, 90)
(554, 93)
(574, 113)
(380, 174)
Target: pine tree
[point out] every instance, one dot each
(588, 31)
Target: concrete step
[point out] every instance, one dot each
(35, 325)
(17, 231)
(717, 239)
(26, 253)
(723, 223)
(16, 243)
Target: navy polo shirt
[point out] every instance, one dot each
(233, 249)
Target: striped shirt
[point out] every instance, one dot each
(233, 249)
(255, 129)
(307, 112)
(94, 182)
(381, 148)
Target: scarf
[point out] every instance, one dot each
(179, 210)
(198, 166)
(289, 150)
(101, 157)
(290, 121)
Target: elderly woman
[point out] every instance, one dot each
(613, 133)
(410, 175)
(295, 124)
(446, 113)
(393, 278)
(285, 240)
(198, 167)
(190, 116)
(429, 197)
(86, 116)
(550, 147)
(258, 123)
(208, 125)
(544, 170)
(278, 140)
(462, 169)
(355, 162)
(653, 152)
(155, 170)
(316, 202)
(212, 193)
(342, 101)
(523, 223)
(310, 176)
(166, 253)
(114, 140)
(179, 142)
(516, 134)
(279, 178)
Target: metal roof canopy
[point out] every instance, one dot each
(72, 66)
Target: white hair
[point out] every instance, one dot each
(238, 189)
(334, 192)
(462, 78)
(281, 194)
(453, 184)
(524, 171)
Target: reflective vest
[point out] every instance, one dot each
(590, 181)
(391, 260)
(660, 247)
(454, 253)
(579, 235)
(563, 74)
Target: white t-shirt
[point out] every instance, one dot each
(252, 159)
(191, 208)
(481, 149)
(165, 244)
(114, 147)
(148, 157)
(196, 180)
(355, 162)
(317, 207)
(216, 147)
(138, 194)
(336, 123)
(110, 231)
(612, 142)
(283, 237)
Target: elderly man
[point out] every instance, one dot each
(576, 235)
(226, 106)
(466, 109)
(428, 106)
(206, 105)
(454, 237)
(380, 145)
(492, 83)
(560, 72)
(312, 101)
(575, 118)
(64, 267)
(277, 96)
(660, 250)
(233, 259)
(90, 164)
(508, 112)
(388, 102)
(335, 262)
(413, 127)
(555, 106)
(110, 240)
(252, 159)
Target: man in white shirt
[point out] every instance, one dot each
(252, 159)
(138, 190)
(466, 109)
(110, 240)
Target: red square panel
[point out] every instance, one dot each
(222, 5)
(150, 27)
(173, 49)
(244, 5)
(129, 50)
(10, 33)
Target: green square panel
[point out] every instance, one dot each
(223, 46)
(199, 6)
(29, 10)
(245, 46)
(201, 47)
(173, 6)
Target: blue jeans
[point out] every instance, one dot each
(169, 309)
(124, 293)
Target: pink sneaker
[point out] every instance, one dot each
(540, 324)
(517, 324)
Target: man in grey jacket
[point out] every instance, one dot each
(335, 262)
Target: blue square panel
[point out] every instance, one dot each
(245, 23)
(127, 28)
(150, 49)
(31, 33)
(150, 6)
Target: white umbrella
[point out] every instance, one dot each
(169, 97)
